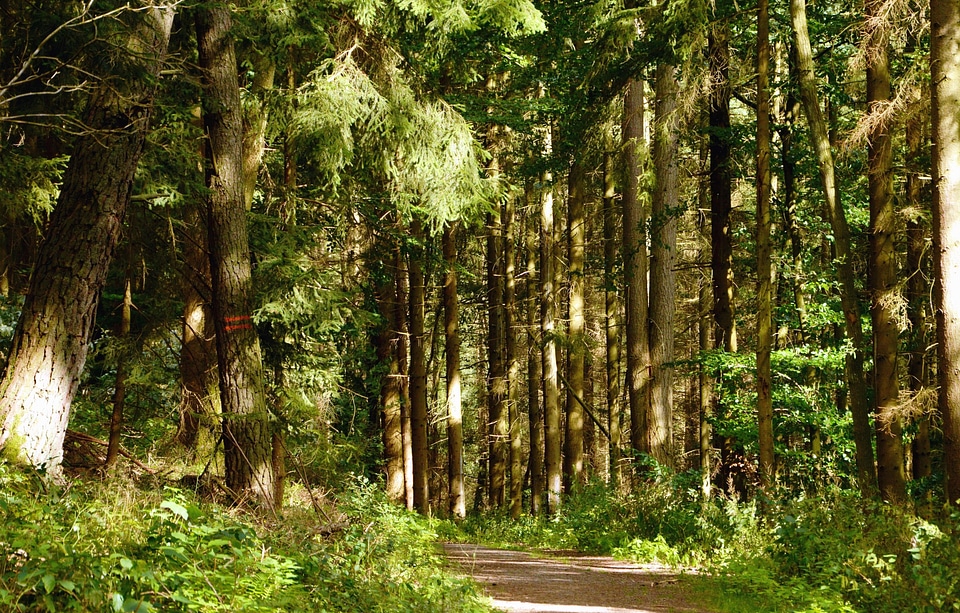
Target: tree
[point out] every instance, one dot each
(247, 435)
(418, 372)
(452, 353)
(551, 393)
(573, 441)
(945, 79)
(883, 261)
(611, 312)
(820, 136)
(50, 343)
(666, 201)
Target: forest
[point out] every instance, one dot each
(293, 291)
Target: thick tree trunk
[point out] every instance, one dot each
(611, 313)
(666, 201)
(457, 500)
(764, 266)
(856, 380)
(573, 441)
(247, 432)
(387, 345)
(49, 346)
(635, 265)
(418, 377)
(945, 72)
(883, 267)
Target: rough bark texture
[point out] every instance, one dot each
(247, 435)
(551, 393)
(611, 313)
(856, 379)
(534, 404)
(663, 251)
(496, 375)
(945, 70)
(635, 264)
(418, 378)
(49, 346)
(884, 311)
(764, 267)
(573, 441)
(451, 329)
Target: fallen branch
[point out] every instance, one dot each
(90, 439)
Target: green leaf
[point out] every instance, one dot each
(117, 602)
(135, 605)
(67, 585)
(126, 563)
(49, 582)
(176, 508)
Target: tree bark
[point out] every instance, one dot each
(945, 72)
(510, 356)
(883, 267)
(457, 500)
(764, 267)
(49, 346)
(418, 376)
(551, 393)
(497, 380)
(534, 405)
(611, 313)
(387, 343)
(573, 441)
(856, 381)
(120, 388)
(635, 265)
(247, 433)
(666, 202)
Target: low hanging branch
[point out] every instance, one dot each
(584, 405)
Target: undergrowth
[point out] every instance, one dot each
(834, 553)
(113, 547)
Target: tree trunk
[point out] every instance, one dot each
(388, 347)
(510, 356)
(418, 376)
(497, 380)
(534, 405)
(49, 346)
(705, 322)
(551, 393)
(403, 334)
(820, 136)
(247, 432)
(573, 441)
(635, 264)
(764, 267)
(198, 351)
(120, 388)
(451, 329)
(611, 313)
(945, 71)
(666, 202)
(883, 266)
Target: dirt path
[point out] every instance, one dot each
(522, 583)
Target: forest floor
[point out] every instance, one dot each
(571, 582)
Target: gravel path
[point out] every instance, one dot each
(519, 582)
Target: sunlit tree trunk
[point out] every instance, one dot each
(666, 201)
(247, 432)
(611, 312)
(511, 330)
(945, 71)
(451, 308)
(883, 264)
(573, 441)
(49, 346)
(418, 376)
(856, 379)
(764, 267)
(551, 392)
(403, 352)
(635, 264)
(387, 345)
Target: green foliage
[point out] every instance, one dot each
(111, 547)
